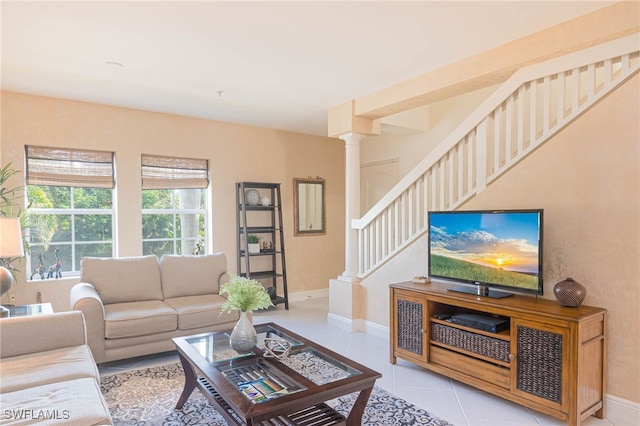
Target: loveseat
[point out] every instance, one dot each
(134, 305)
(47, 373)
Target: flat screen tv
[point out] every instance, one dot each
(488, 249)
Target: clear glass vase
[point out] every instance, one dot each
(243, 337)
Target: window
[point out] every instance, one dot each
(70, 193)
(173, 205)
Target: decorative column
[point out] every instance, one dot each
(347, 296)
(352, 205)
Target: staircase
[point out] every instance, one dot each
(526, 111)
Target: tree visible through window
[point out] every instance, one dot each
(71, 212)
(172, 220)
(67, 224)
(173, 205)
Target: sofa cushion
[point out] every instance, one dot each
(200, 311)
(41, 368)
(123, 279)
(138, 319)
(191, 275)
(17, 333)
(74, 402)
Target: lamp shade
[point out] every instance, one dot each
(10, 237)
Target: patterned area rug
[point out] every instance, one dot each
(148, 397)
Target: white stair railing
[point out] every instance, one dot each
(523, 113)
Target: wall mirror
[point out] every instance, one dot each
(308, 200)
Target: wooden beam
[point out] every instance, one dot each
(342, 120)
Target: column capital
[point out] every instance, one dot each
(352, 138)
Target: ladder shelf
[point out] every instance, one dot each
(259, 212)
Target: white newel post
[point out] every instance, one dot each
(352, 205)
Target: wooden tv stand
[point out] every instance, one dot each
(550, 359)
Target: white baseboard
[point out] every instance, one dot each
(376, 330)
(359, 325)
(621, 412)
(306, 295)
(340, 322)
(618, 411)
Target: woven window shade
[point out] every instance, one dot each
(174, 173)
(69, 167)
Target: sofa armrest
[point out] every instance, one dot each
(40, 333)
(223, 279)
(86, 299)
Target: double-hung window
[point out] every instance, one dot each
(174, 205)
(70, 193)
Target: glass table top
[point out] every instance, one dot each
(317, 366)
(215, 347)
(261, 380)
(265, 331)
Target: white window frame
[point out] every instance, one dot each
(73, 213)
(73, 169)
(174, 212)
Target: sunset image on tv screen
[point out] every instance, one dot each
(496, 248)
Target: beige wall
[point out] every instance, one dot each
(587, 180)
(443, 116)
(235, 152)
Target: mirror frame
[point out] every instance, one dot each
(296, 206)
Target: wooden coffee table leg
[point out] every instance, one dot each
(189, 381)
(355, 416)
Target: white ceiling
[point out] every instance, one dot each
(279, 65)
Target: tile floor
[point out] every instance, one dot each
(455, 402)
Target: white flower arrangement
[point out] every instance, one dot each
(244, 294)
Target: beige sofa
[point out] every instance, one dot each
(47, 373)
(134, 305)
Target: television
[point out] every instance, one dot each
(489, 249)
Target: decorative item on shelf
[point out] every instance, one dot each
(421, 279)
(268, 247)
(11, 246)
(198, 248)
(569, 293)
(38, 270)
(244, 295)
(55, 270)
(252, 197)
(253, 244)
(276, 348)
(266, 201)
(271, 291)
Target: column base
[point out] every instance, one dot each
(346, 299)
(348, 278)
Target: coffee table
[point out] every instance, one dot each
(256, 389)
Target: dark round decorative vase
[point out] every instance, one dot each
(569, 293)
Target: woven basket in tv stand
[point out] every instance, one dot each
(550, 359)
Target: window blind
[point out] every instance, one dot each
(69, 167)
(174, 173)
